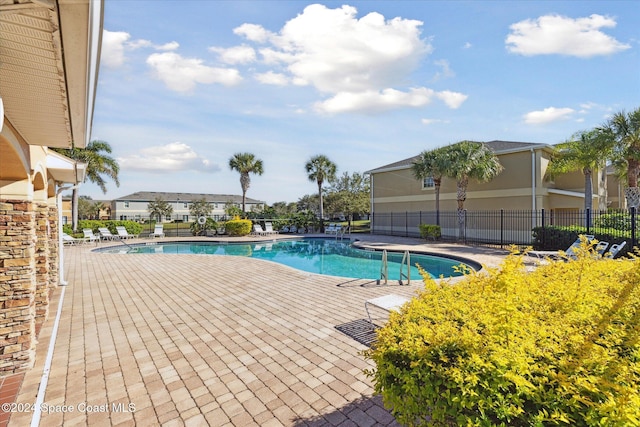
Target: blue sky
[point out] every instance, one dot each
(184, 85)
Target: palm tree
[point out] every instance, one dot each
(245, 163)
(624, 129)
(159, 208)
(320, 169)
(470, 160)
(585, 151)
(99, 163)
(432, 164)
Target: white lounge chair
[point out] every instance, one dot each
(331, 229)
(158, 231)
(70, 240)
(105, 234)
(569, 253)
(89, 236)
(123, 233)
(391, 302)
(268, 228)
(258, 230)
(614, 249)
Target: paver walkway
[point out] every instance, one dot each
(202, 340)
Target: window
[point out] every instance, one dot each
(185, 218)
(185, 205)
(428, 183)
(126, 204)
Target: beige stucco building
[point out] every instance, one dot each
(523, 185)
(49, 52)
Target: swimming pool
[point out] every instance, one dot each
(315, 255)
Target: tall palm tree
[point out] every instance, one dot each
(245, 164)
(585, 151)
(99, 164)
(432, 164)
(320, 169)
(624, 129)
(470, 160)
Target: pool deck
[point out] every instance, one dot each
(202, 340)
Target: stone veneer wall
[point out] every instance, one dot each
(54, 253)
(42, 229)
(17, 286)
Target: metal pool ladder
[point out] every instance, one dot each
(384, 268)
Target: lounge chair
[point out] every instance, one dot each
(158, 231)
(569, 253)
(124, 234)
(70, 240)
(331, 229)
(389, 302)
(258, 230)
(105, 234)
(89, 236)
(268, 228)
(614, 249)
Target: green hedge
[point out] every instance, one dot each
(559, 345)
(430, 231)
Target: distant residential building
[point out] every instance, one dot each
(134, 207)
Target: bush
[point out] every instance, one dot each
(238, 227)
(430, 231)
(201, 229)
(617, 220)
(559, 345)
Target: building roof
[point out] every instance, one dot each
(49, 51)
(498, 147)
(149, 196)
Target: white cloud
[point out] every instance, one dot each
(112, 54)
(235, 55)
(253, 32)
(271, 78)
(555, 34)
(375, 101)
(548, 115)
(115, 43)
(445, 69)
(360, 64)
(182, 74)
(433, 121)
(453, 100)
(173, 157)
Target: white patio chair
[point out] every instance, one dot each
(105, 234)
(89, 236)
(158, 231)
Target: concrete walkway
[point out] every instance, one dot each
(202, 340)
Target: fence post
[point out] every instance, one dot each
(588, 213)
(544, 230)
(406, 223)
(633, 227)
(501, 228)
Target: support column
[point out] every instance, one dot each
(42, 263)
(17, 286)
(54, 250)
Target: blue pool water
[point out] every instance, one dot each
(322, 256)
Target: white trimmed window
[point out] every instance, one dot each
(428, 183)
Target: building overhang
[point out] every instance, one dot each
(569, 193)
(49, 58)
(65, 170)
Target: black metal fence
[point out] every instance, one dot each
(506, 227)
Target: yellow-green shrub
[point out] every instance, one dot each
(559, 345)
(238, 227)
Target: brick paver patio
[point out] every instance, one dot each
(202, 340)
